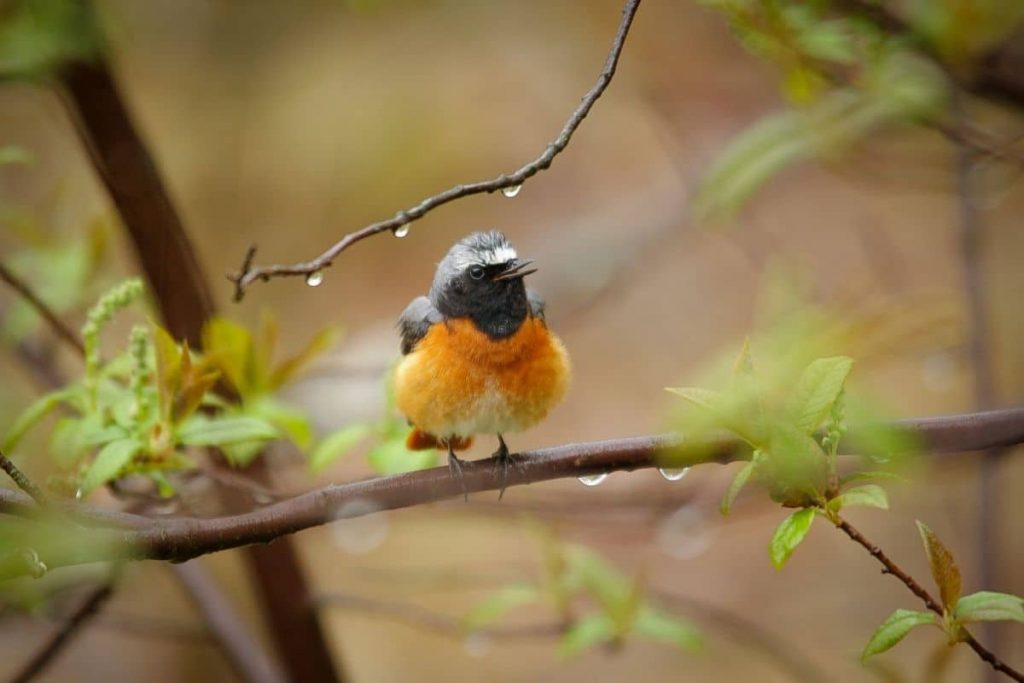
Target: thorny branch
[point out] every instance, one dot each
(115, 535)
(249, 274)
(931, 603)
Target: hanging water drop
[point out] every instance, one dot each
(593, 479)
(315, 278)
(401, 230)
(512, 191)
(673, 474)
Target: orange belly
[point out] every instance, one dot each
(460, 382)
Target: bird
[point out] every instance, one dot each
(477, 354)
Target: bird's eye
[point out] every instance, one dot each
(476, 272)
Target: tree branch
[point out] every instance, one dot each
(125, 536)
(89, 608)
(931, 603)
(23, 482)
(40, 307)
(249, 274)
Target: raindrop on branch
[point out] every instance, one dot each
(593, 479)
(673, 474)
(511, 191)
(401, 231)
(315, 278)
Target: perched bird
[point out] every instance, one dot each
(478, 357)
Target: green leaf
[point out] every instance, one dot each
(869, 495)
(229, 345)
(336, 444)
(829, 41)
(111, 459)
(392, 457)
(291, 421)
(287, 370)
(894, 629)
(738, 482)
(499, 604)
(203, 431)
(944, 569)
(586, 632)
(989, 606)
(31, 416)
(242, 453)
(817, 390)
(663, 627)
(788, 536)
(734, 410)
(871, 474)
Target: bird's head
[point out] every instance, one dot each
(481, 277)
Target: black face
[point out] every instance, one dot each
(493, 296)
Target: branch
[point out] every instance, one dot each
(249, 274)
(23, 482)
(40, 307)
(930, 602)
(85, 612)
(126, 536)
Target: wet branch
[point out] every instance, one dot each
(930, 602)
(249, 274)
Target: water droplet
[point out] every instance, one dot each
(361, 527)
(478, 644)
(512, 191)
(401, 230)
(673, 474)
(315, 278)
(686, 533)
(79, 493)
(593, 479)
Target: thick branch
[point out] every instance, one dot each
(931, 603)
(136, 537)
(249, 274)
(40, 307)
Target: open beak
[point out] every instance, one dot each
(516, 269)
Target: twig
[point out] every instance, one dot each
(246, 656)
(183, 538)
(23, 482)
(930, 602)
(86, 611)
(40, 307)
(248, 274)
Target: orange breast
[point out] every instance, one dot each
(458, 381)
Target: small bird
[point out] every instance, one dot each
(478, 357)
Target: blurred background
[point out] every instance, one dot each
(290, 124)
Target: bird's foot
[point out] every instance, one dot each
(455, 469)
(507, 461)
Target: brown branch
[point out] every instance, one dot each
(931, 603)
(183, 538)
(86, 611)
(23, 482)
(40, 307)
(249, 274)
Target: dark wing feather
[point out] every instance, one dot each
(415, 320)
(536, 304)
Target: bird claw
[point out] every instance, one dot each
(455, 470)
(506, 461)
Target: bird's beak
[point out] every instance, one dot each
(515, 269)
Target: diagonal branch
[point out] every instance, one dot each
(40, 307)
(128, 536)
(249, 274)
(930, 602)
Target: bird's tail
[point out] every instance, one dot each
(421, 441)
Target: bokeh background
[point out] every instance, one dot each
(290, 124)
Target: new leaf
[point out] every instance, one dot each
(944, 569)
(894, 629)
(789, 534)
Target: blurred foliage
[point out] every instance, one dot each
(37, 37)
(620, 606)
(846, 77)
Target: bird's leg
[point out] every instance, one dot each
(455, 469)
(505, 461)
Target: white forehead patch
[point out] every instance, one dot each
(502, 254)
(466, 257)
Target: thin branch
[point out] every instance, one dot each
(23, 482)
(247, 658)
(930, 602)
(86, 611)
(249, 274)
(183, 538)
(40, 307)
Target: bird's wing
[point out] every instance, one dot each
(415, 320)
(536, 304)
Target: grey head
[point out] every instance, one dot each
(481, 278)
